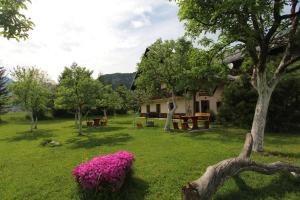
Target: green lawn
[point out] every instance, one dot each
(164, 161)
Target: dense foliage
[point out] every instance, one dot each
(13, 23)
(109, 100)
(284, 112)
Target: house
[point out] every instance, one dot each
(203, 101)
(208, 100)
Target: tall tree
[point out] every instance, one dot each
(163, 65)
(13, 23)
(3, 91)
(30, 91)
(77, 90)
(256, 27)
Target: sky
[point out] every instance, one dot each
(106, 37)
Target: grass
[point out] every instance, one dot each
(164, 161)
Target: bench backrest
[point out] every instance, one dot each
(203, 115)
(176, 116)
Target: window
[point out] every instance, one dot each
(204, 106)
(148, 108)
(197, 106)
(171, 105)
(158, 108)
(219, 104)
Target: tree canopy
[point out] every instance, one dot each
(252, 28)
(30, 90)
(109, 99)
(13, 23)
(162, 70)
(77, 90)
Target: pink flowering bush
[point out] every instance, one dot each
(105, 170)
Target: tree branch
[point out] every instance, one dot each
(287, 59)
(288, 16)
(277, 20)
(214, 177)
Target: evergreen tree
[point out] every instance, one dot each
(3, 91)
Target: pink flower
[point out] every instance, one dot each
(109, 169)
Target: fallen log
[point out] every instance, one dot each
(207, 185)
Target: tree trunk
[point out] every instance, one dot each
(207, 185)
(260, 115)
(194, 103)
(32, 121)
(76, 119)
(35, 122)
(170, 113)
(80, 120)
(104, 113)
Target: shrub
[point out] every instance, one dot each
(102, 171)
(239, 101)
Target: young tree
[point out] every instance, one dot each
(3, 91)
(125, 96)
(256, 27)
(77, 90)
(109, 100)
(138, 98)
(163, 65)
(14, 24)
(30, 91)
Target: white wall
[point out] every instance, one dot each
(183, 105)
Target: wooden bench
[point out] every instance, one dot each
(96, 122)
(176, 120)
(104, 121)
(204, 117)
(139, 125)
(89, 123)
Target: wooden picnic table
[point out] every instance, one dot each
(96, 121)
(186, 121)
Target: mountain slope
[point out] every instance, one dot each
(117, 79)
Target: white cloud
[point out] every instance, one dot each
(106, 37)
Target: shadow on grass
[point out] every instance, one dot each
(228, 136)
(27, 135)
(2, 122)
(219, 135)
(277, 189)
(280, 154)
(92, 141)
(133, 189)
(102, 129)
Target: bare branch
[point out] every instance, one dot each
(277, 20)
(215, 176)
(288, 16)
(287, 59)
